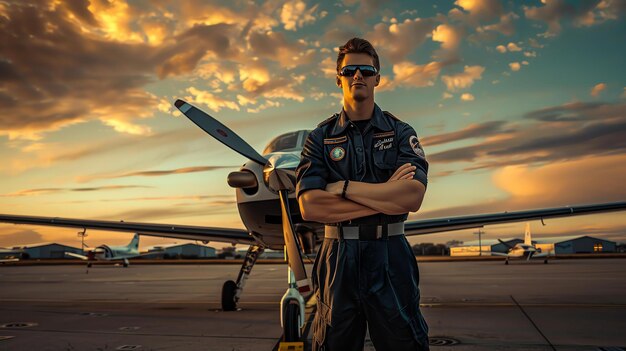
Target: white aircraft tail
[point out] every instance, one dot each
(134, 244)
(527, 238)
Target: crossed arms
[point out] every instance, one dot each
(400, 194)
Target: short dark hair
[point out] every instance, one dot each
(357, 46)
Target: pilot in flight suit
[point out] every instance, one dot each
(365, 272)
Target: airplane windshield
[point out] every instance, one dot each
(285, 142)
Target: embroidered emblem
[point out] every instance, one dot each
(415, 145)
(337, 153)
(383, 144)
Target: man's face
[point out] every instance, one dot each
(357, 87)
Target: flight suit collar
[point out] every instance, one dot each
(379, 121)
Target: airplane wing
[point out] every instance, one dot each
(71, 254)
(228, 235)
(438, 225)
(541, 254)
(498, 254)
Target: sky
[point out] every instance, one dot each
(518, 105)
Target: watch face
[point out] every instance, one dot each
(337, 153)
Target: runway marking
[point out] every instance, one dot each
(533, 323)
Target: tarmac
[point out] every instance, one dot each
(469, 305)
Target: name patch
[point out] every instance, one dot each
(383, 144)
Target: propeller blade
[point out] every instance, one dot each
(219, 131)
(294, 253)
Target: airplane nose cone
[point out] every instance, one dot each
(284, 160)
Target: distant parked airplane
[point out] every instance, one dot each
(526, 250)
(111, 253)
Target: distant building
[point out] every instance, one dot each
(188, 250)
(557, 245)
(575, 244)
(273, 254)
(473, 248)
(46, 250)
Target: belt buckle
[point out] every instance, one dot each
(369, 232)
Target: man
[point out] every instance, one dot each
(361, 172)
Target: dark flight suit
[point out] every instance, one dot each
(364, 282)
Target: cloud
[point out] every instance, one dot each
(463, 80)
(585, 130)
(555, 180)
(467, 97)
(408, 74)
(215, 103)
(275, 46)
(154, 173)
(505, 26)
(549, 185)
(46, 191)
(478, 11)
(294, 14)
(515, 66)
(586, 13)
(597, 89)
(501, 49)
(450, 37)
(513, 47)
(396, 41)
(11, 237)
(447, 95)
(471, 131)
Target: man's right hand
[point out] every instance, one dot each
(406, 171)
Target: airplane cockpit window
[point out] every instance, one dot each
(283, 142)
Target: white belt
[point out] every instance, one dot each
(364, 232)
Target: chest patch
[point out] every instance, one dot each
(415, 145)
(337, 153)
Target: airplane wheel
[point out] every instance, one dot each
(125, 265)
(291, 324)
(506, 262)
(545, 261)
(89, 265)
(228, 296)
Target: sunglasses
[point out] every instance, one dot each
(350, 70)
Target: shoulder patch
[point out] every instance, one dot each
(328, 120)
(390, 115)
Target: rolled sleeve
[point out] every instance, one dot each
(410, 151)
(312, 172)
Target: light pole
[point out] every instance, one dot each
(82, 236)
(480, 243)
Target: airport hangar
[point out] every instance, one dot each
(44, 250)
(563, 245)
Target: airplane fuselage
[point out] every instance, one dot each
(258, 207)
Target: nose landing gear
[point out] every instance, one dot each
(231, 291)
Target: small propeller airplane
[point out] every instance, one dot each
(265, 192)
(111, 253)
(523, 250)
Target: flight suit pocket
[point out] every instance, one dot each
(384, 163)
(337, 154)
(384, 150)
